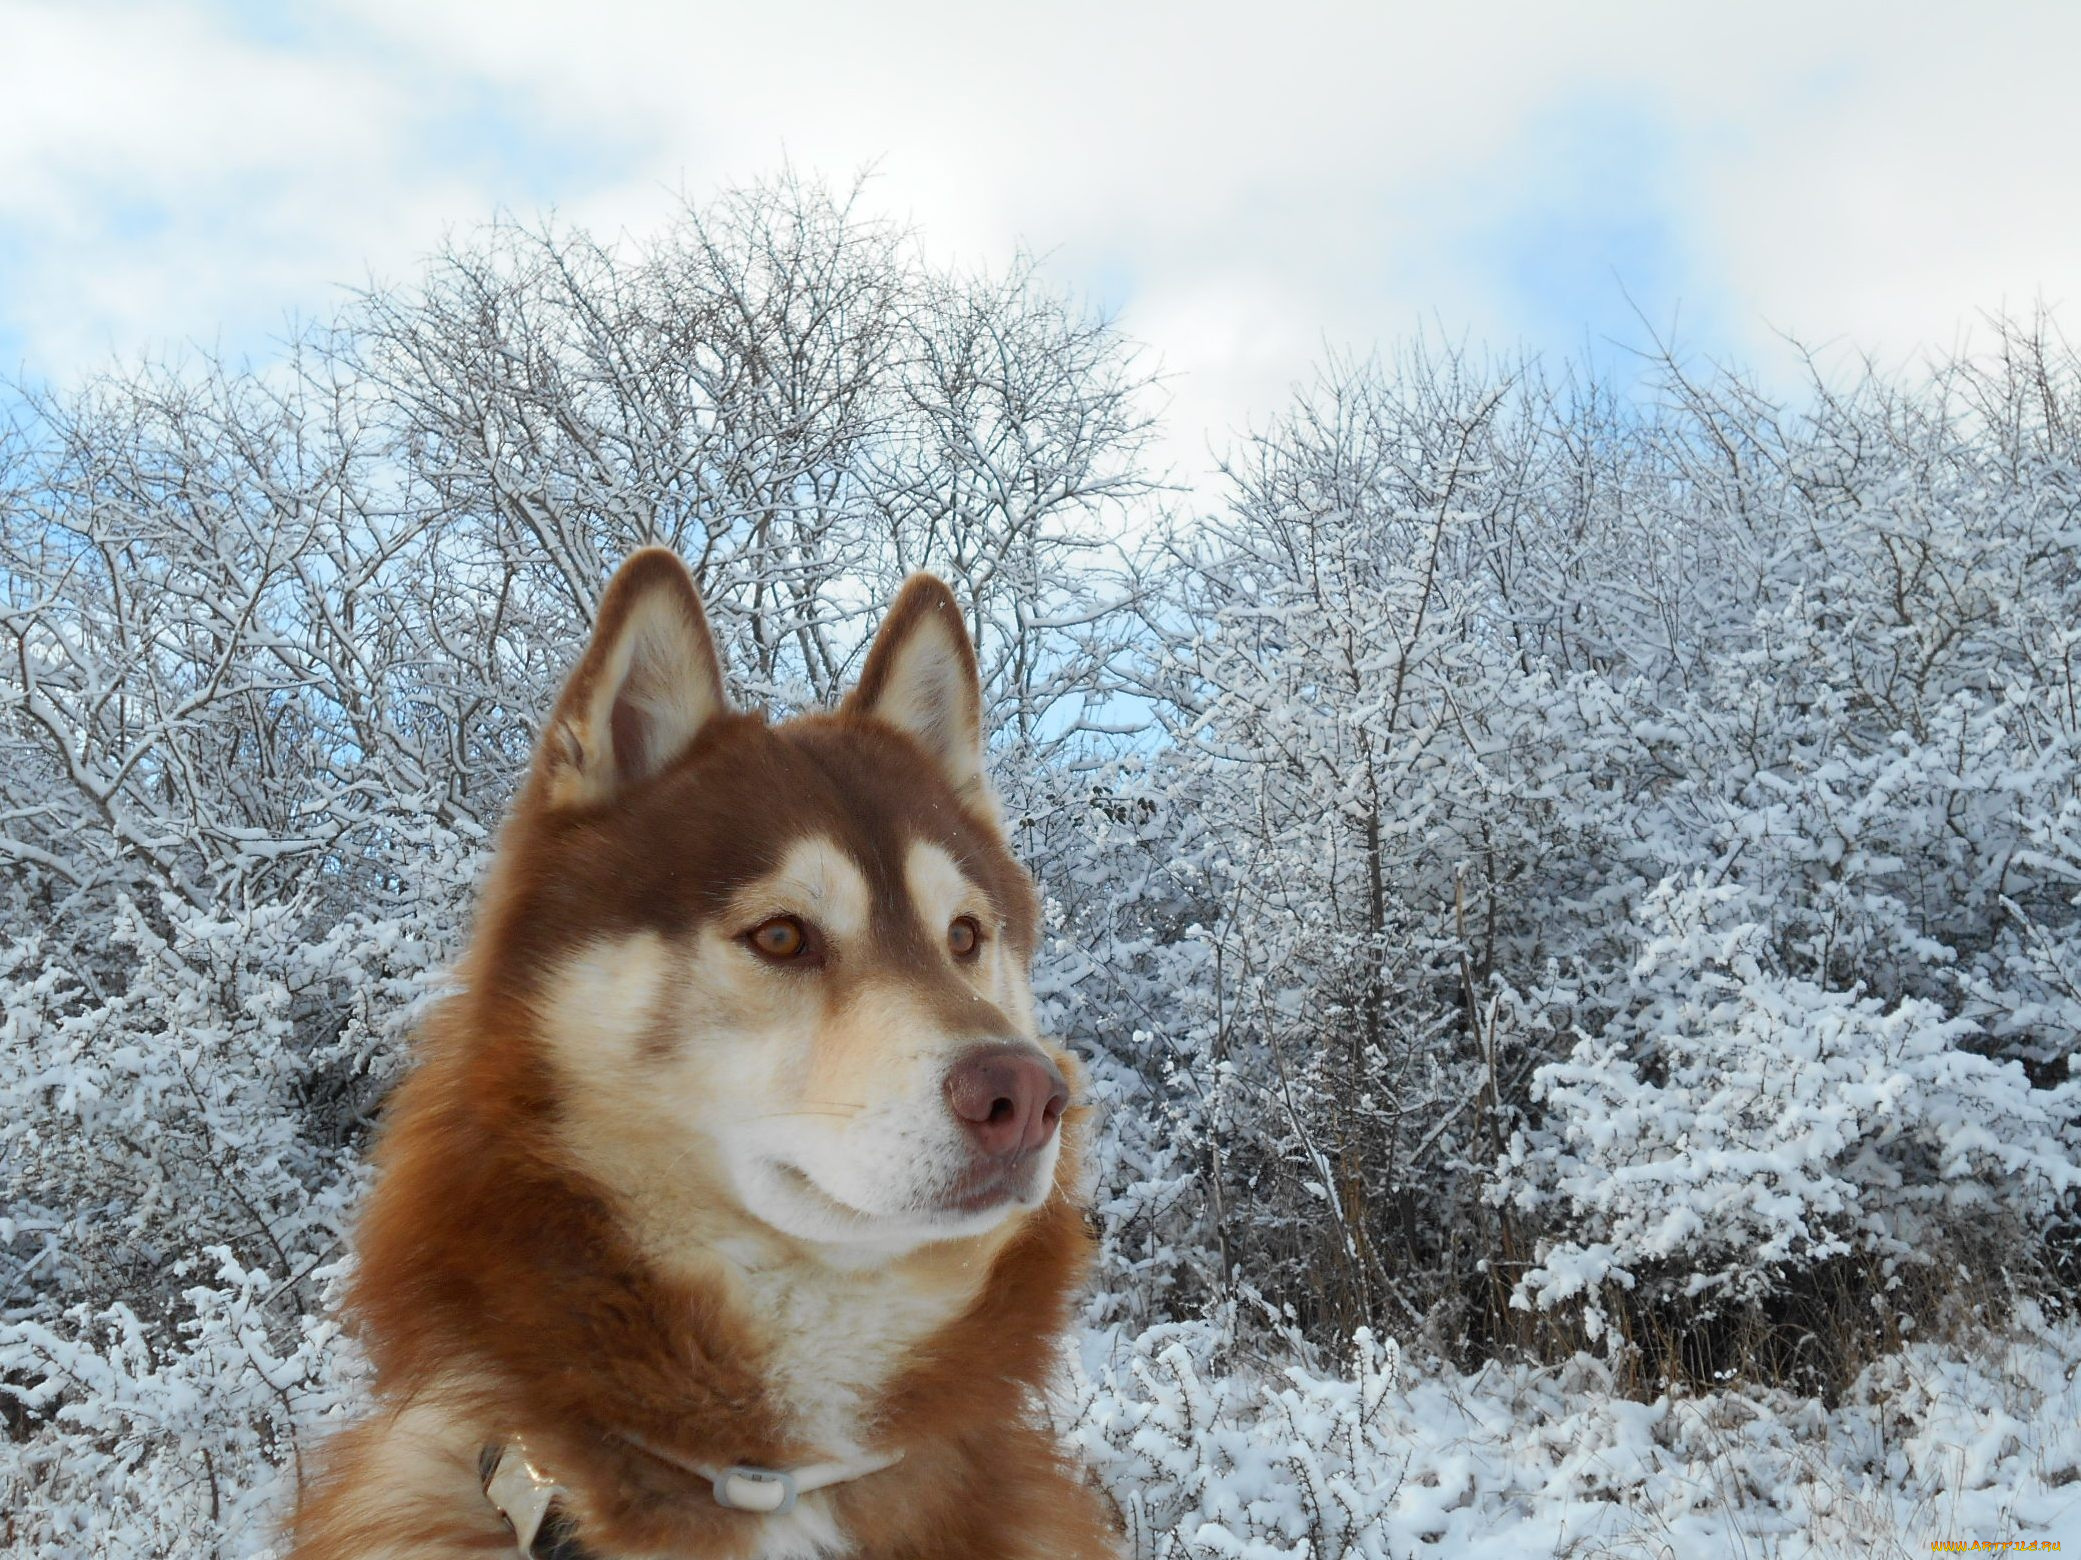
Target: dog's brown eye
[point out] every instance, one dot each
(964, 937)
(780, 939)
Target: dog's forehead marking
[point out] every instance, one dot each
(818, 876)
(939, 889)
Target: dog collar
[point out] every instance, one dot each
(537, 1508)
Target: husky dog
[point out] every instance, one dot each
(731, 1208)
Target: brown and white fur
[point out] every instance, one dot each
(655, 1198)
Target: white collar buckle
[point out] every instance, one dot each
(773, 1491)
(769, 1490)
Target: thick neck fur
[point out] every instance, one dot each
(578, 1324)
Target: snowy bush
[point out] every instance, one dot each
(1737, 1124)
(1205, 1463)
(1470, 669)
(152, 1136)
(1380, 1457)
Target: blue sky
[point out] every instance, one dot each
(1246, 187)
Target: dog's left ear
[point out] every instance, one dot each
(921, 678)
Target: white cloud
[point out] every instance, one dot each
(161, 178)
(1256, 181)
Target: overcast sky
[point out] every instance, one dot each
(1243, 184)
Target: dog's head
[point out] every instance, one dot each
(785, 966)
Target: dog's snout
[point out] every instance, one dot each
(1009, 1098)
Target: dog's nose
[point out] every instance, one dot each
(1008, 1097)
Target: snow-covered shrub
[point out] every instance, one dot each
(1204, 1462)
(2026, 989)
(177, 1187)
(1737, 1124)
(1345, 734)
(1381, 1457)
(171, 1437)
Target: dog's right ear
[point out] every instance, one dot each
(647, 684)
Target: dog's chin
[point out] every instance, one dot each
(793, 1201)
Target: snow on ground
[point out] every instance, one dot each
(1395, 1460)
(1386, 1458)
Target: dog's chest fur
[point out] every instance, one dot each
(835, 1338)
